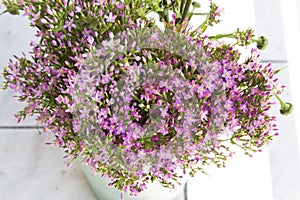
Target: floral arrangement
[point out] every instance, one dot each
(140, 101)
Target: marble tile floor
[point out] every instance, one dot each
(32, 170)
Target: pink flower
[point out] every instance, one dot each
(110, 17)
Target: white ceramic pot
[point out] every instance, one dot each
(155, 191)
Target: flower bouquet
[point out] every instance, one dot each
(138, 94)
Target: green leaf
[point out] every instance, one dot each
(12, 7)
(277, 71)
(141, 12)
(57, 28)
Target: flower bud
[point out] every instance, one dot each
(286, 108)
(196, 4)
(262, 43)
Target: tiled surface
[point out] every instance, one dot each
(284, 152)
(268, 21)
(243, 178)
(8, 109)
(291, 22)
(31, 170)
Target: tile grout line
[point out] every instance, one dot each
(20, 127)
(274, 61)
(185, 191)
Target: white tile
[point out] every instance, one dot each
(284, 151)
(243, 178)
(9, 106)
(181, 196)
(268, 20)
(15, 36)
(291, 19)
(31, 170)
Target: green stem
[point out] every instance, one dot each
(200, 13)
(186, 9)
(234, 143)
(181, 6)
(280, 100)
(3, 12)
(166, 11)
(219, 36)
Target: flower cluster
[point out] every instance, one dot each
(137, 103)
